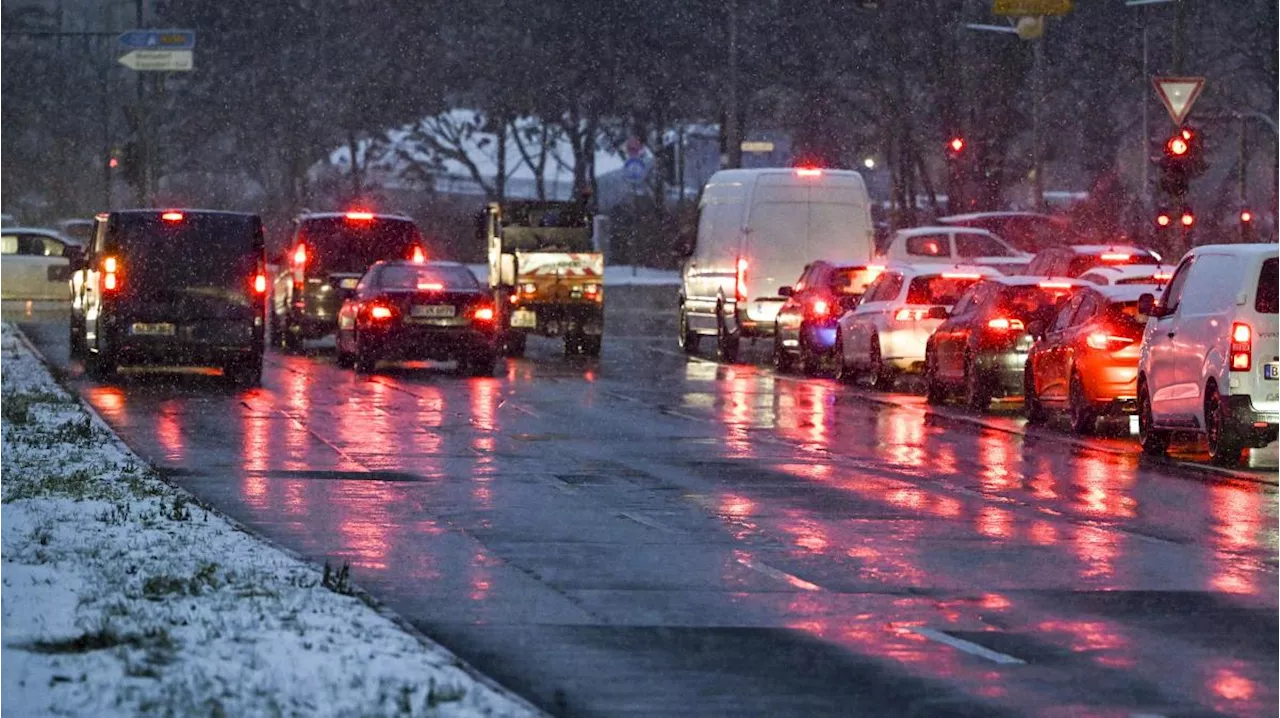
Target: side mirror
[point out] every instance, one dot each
(1147, 305)
(937, 313)
(1036, 329)
(786, 291)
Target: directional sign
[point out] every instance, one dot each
(757, 146)
(158, 60)
(158, 39)
(1021, 8)
(1178, 94)
(634, 170)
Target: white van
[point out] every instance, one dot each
(1210, 356)
(757, 229)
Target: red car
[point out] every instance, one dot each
(419, 310)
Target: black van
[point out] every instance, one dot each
(177, 287)
(328, 254)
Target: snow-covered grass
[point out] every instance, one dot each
(123, 596)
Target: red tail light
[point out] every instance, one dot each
(110, 276)
(1188, 219)
(808, 172)
(300, 256)
(360, 216)
(483, 314)
(1116, 257)
(419, 256)
(820, 308)
(1001, 324)
(430, 287)
(741, 290)
(1241, 347)
(260, 284)
(906, 315)
(960, 275)
(1055, 285)
(171, 216)
(379, 312)
(1103, 341)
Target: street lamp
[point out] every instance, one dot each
(869, 163)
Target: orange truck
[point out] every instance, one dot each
(546, 273)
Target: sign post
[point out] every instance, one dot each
(1178, 95)
(147, 50)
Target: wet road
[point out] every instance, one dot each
(651, 535)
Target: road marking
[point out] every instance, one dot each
(783, 576)
(647, 522)
(966, 646)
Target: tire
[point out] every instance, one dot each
(688, 339)
(290, 340)
(810, 363)
(101, 366)
(513, 344)
(1036, 413)
(345, 360)
(1154, 442)
(977, 392)
(783, 362)
(366, 360)
(75, 341)
(935, 392)
(881, 374)
(1225, 443)
(1083, 418)
(591, 345)
(844, 373)
(244, 372)
(727, 343)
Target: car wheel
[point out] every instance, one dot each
(345, 360)
(366, 360)
(783, 362)
(688, 338)
(935, 392)
(977, 391)
(514, 344)
(881, 375)
(102, 366)
(1036, 413)
(844, 372)
(1225, 444)
(810, 361)
(291, 338)
(1154, 442)
(1083, 417)
(591, 344)
(75, 341)
(727, 343)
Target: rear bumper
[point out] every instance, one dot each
(1003, 370)
(1259, 425)
(409, 343)
(903, 347)
(558, 319)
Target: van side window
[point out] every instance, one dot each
(929, 245)
(976, 245)
(1267, 301)
(1173, 292)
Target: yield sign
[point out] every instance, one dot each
(1178, 94)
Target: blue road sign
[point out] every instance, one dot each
(158, 39)
(634, 170)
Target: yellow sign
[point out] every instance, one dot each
(1019, 8)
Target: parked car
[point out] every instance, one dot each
(887, 332)
(329, 252)
(79, 230)
(1027, 231)
(757, 229)
(982, 346)
(1086, 361)
(1210, 362)
(408, 310)
(176, 287)
(806, 324)
(951, 245)
(37, 264)
(1122, 274)
(1074, 260)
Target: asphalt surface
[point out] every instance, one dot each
(654, 535)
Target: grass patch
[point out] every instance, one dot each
(338, 581)
(159, 586)
(16, 408)
(78, 484)
(103, 638)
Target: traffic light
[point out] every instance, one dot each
(1246, 224)
(957, 174)
(1182, 161)
(955, 147)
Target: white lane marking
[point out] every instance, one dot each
(783, 576)
(647, 522)
(966, 646)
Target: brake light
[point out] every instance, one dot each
(260, 284)
(360, 216)
(593, 292)
(956, 275)
(300, 256)
(110, 279)
(379, 312)
(1001, 324)
(1116, 257)
(1055, 285)
(1162, 276)
(1241, 347)
(418, 255)
(171, 216)
(430, 286)
(741, 290)
(808, 172)
(1103, 341)
(484, 314)
(906, 315)
(820, 308)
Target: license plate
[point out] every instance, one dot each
(349, 283)
(1271, 370)
(433, 310)
(151, 330)
(524, 318)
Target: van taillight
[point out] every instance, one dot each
(1241, 347)
(300, 256)
(741, 291)
(110, 274)
(260, 284)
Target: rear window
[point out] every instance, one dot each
(339, 244)
(1085, 262)
(928, 246)
(426, 276)
(1126, 312)
(852, 280)
(200, 250)
(1028, 303)
(1266, 301)
(938, 289)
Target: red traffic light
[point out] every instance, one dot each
(1177, 146)
(1246, 215)
(956, 144)
(113, 163)
(1163, 219)
(1188, 219)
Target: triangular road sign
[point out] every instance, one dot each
(1178, 94)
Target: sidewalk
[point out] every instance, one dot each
(123, 596)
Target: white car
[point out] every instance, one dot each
(887, 332)
(36, 264)
(1109, 275)
(950, 245)
(1210, 357)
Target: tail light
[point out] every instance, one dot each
(260, 283)
(1002, 324)
(906, 315)
(171, 216)
(961, 275)
(741, 290)
(300, 256)
(110, 274)
(1055, 285)
(1241, 347)
(808, 172)
(592, 291)
(430, 287)
(418, 256)
(820, 308)
(1162, 276)
(360, 216)
(379, 312)
(483, 314)
(1116, 257)
(1103, 341)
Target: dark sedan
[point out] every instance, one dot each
(405, 310)
(806, 324)
(982, 346)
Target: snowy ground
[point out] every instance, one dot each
(122, 596)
